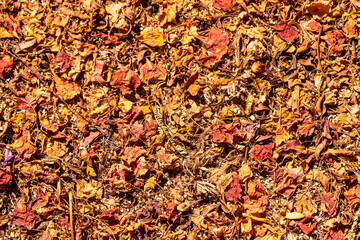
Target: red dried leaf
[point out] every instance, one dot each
(151, 127)
(150, 72)
(304, 227)
(330, 203)
(170, 206)
(312, 26)
(125, 80)
(46, 236)
(99, 70)
(11, 25)
(6, 66)
(286, 31)
(336, 50)
(90, 138)
(335, 37)
(335, 235)
(5, 178)
(286, 180)
(165, 160)
(61, 62)
(225, 5)
(110, 217)
(40, 201)
(215, 43)
(233, 190)
(24, 216)
(136, 132)
(117, 172)
(262, 152)
(230, 133)
(109, 39)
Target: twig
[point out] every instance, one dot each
(318, 52)
(71, 215)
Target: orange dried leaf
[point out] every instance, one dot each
(215, 42)
(126, 80)
(319, 8)
(23, 144)
(67, 90)
(194, 89)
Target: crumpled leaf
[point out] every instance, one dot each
(88, 189)
(319, 8)
(233, 190)
(351, 29)
(110, 217)
(329, 203)
(67, 90)
(23, 216)
(6, 66)
(262, 152)
(126, 80)
(152, 37)
(304, 224)
(9, 27)
(5, 178)
(286, 31)
(23, 144)
(61, 62)
(150, 72)
(225, 5)
(215, 42)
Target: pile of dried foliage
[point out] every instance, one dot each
(214, 119)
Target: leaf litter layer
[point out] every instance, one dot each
(217, 119)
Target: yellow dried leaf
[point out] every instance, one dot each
(150, 183)
(259, 219)
(85, 209)
(90, 171)
(152, 37)
(294, 215)
(281, 134)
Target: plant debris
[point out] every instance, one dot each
(215, 119)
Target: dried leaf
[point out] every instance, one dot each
(286, 31)
(125, 80)
(24, 216)
(152, 37)
(225, 5)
